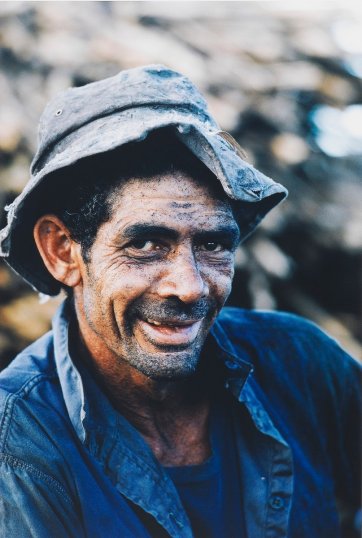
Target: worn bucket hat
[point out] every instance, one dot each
(104, 115)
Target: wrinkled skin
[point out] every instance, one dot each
(160, 270)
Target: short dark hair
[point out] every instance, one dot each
(84, 190)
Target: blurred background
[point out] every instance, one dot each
(283, 77)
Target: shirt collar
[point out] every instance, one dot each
(69, 376)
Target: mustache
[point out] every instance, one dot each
(173, 308)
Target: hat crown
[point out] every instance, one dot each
(150, 85)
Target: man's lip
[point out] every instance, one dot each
(171, 322)
(169, 332)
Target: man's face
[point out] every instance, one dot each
(159, 271)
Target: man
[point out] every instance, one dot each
(149, 410)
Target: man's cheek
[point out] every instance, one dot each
(221, 284)
(126, 282)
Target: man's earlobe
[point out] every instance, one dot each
(60, 253)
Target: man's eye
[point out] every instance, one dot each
(144, 248)
(145, 245)
(212, 246)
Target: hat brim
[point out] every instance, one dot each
(255, 193)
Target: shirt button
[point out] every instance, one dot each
(276, 502)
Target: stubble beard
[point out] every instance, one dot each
(165, 365)
(170, 363)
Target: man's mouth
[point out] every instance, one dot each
(168, 332)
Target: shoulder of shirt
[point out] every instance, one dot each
(294, 361)
(265, 320)
(34, 363)
(34, 424)
(30, 397)
(282, 334)
(32, 419)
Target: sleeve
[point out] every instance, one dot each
(345, 435)
(33, 504)
(334, 380)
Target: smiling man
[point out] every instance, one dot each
(150, 410)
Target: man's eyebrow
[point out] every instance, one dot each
(141, 229)
(228, 232)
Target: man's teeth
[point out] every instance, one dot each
(153, 322)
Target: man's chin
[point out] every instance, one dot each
(168, 364)
(170, 377)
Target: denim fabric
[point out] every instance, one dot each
(71, 466)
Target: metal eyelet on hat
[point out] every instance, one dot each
(59, 112)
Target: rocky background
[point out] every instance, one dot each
(284, 79)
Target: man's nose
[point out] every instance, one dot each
(183, 280)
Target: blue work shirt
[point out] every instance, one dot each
(211, 492)
(71, 466)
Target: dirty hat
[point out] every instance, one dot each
(104, 115)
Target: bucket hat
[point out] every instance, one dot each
(104, 115)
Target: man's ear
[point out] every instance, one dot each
(60, 253)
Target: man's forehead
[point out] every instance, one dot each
(177, 187)
(169, 201)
